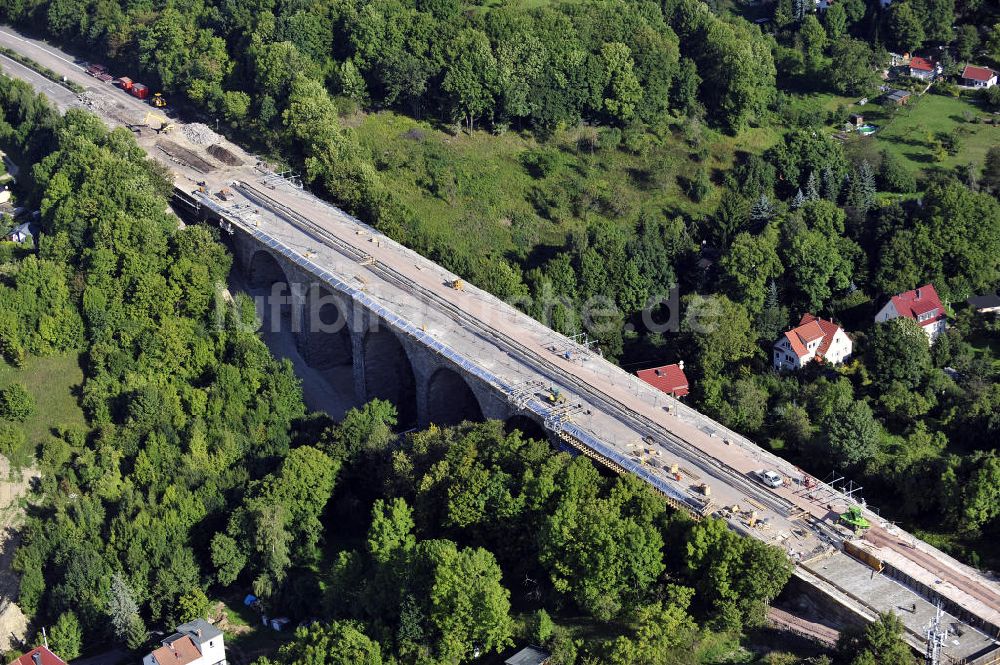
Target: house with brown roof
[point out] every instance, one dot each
(814, 339)
(195, 643)
(921, 305)
(671, 379)
(978, 77)
(39, 656)
(922, 68)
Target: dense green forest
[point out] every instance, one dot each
(199, 472)
(589, 151)
(647, 145)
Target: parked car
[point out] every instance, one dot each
(769, 478)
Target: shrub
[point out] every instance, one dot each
(697, 186)
(637, 141)
(16, 403)
(66, 637)
(893, 175)
(540, 162)
(14, 445)
(544, 627)
(609, 138)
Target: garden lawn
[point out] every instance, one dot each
(53, 383)
(911, 131)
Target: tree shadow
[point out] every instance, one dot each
(920, 157)
(538, 256)
(643, 178)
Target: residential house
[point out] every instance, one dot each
(195, 643)
(986, 304)
(24, 232)
(813, 339)
(922, 68)
(668, 378)
(529, 656)
(39, 656)
(978, 77)
(921, 305)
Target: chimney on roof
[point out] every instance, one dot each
(680, 364)
(918, 293)
(37, 657)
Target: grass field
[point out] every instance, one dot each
(912, 131)
(473, 191)
(53, 382)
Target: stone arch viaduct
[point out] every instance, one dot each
(335, 331)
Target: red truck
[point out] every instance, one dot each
(139, 90)
(125, 83)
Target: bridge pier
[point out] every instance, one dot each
(325, 332)
(331, 330)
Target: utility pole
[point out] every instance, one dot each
(935, 638)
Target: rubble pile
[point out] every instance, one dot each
(200, 134)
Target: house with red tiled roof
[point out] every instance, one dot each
(922, 68)
(814, 339)
(195, 643)
(668, 378)
(978, 77)
(921, 305)
(39, 656)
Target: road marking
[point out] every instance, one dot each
(42, 48)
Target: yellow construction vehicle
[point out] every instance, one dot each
(164, 126)
(457, 284)
(158, 100)
(555, 396)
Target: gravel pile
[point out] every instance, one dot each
(200, 134)
(95, 102)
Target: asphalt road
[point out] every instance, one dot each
(59, 95)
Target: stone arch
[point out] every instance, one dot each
(389, 375)
(265, 270)
(450, 399)
(325, 338)
(529, 427)
(267, 280)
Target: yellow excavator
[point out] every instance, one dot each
(158, 100)
(164, 125)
